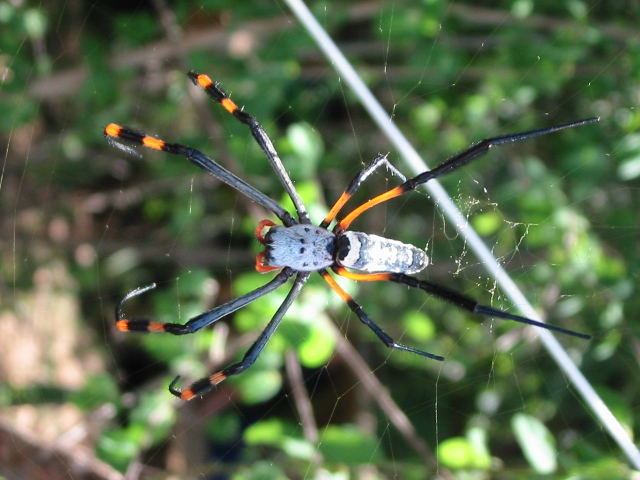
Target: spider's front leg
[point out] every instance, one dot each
(357, 181)
(453, 163)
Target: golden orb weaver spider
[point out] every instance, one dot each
(299, 248)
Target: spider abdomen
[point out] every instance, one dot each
(372, 253)
(303, 247)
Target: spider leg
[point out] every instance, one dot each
(200, 387)
(453, 297)
(364, 318)
(358, 180)
(116, 134)
(216, 93)
(200, 321)
(453, 163)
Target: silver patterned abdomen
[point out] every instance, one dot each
(371, 253)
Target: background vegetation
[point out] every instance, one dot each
(82, 224)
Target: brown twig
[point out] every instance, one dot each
(378, 392)
(24, 455)
(302, 401)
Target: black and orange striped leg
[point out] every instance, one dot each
(118, 135)
(216, 93)
(358, 180)
(453, 297)
(453, 163)
(202, 386)
(364, 318)
(200, 321)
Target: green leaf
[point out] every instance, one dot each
(419, 326)
(456, 452)
(260, 471)
(629, 149)
(349, 445)
(487, 223)
(35, 22)
(280, 434)
(266, 432)
(119, 447)
(98, 390)
(317, 348)
(465, 453)
(306, 144)
(224, 428)
(536, 442)
(298, 448)
(257, 386)
(155, 413)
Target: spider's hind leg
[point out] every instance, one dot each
(364, 318)
(202, 386)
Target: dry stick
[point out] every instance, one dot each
(441, 198)
(379, 394)
(492, 18)
(26, 455)
(302, 401)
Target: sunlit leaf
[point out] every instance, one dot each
(272, 432)
(487, 223)
(536, 442)
(465, 453)
(257, 386)
(419, 326)
(119, 447)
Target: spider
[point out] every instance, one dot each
(297, 248)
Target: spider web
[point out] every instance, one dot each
(83, 224)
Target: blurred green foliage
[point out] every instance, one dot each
(559, 212)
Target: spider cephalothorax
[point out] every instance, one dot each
(298, 248)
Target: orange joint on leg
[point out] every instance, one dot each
(113, 130)
(217, 377)
(151, 142)
(122, 325)
(204, 81)
(261, 226)
(261, 267)
(156, 327)
(187, 394)
(228, 105)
